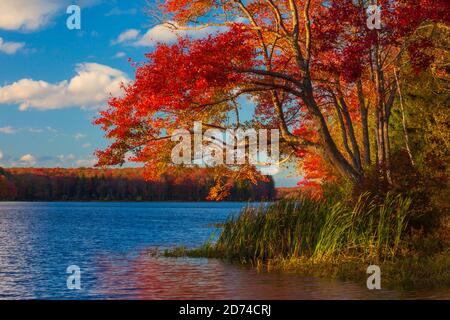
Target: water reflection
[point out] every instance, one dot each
(146, 277)
(109, 241)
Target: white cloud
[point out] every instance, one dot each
(162, 33)
(71, 160)
(12, 130)
(26, 14)
(33, 14)
(86, 162)
(119, 55)
(86, 145)
(64, 159)
(79, 136)
(28, 159)
(35, 130)
(1, 155)
(7, 130)
(116, 11)
(127, 35)
(10, 47)
(90, 88)
(165, 33)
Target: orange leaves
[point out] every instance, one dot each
(314, 168)
(315, 172)
(220, 191)
(311, 189)
(306, 133)
(186, 10)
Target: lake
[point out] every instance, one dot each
(109, 242)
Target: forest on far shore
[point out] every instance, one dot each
(127, 184)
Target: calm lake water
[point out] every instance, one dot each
(110, 241)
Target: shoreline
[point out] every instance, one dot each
(331, 239)
(402, 273)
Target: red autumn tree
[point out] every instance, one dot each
(305, 64)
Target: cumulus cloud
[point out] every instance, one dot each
(28, 159)
(10, 47)
(25, 14)
(165, 33)
(90, 88)
(127, 35)
(162, 33)
(33, 14)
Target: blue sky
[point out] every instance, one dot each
(53, 80)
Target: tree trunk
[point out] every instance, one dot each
(364, 110)
(330, 148)
(382, 117)
(402, 110)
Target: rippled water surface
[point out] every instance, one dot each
(109, 242)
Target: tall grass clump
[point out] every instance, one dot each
(319, 230)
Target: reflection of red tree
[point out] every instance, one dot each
(150, 278)
(161, 278)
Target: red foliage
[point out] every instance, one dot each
(186, 80)
(184, 76)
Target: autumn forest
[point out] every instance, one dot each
(84, 184)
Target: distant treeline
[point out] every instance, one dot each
(86, 184)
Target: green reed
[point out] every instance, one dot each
(318, 230)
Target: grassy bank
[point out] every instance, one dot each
(336, 240)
